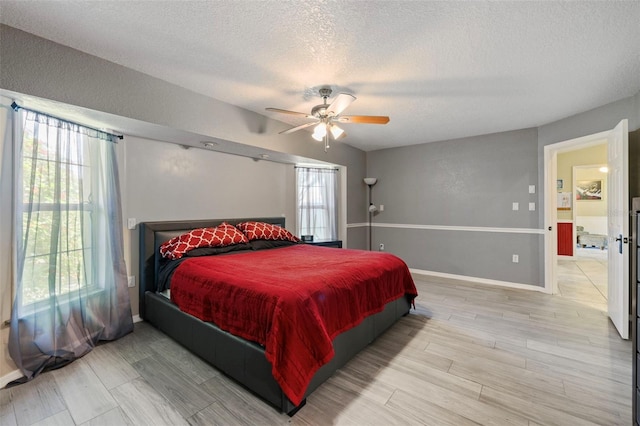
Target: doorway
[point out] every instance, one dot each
(617, 217)
(561, 204)
(582, 178)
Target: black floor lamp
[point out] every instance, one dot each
(372, 208)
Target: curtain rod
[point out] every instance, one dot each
(317, 168)
(17, 107)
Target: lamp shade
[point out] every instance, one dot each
(320, 130)
(370, 181)
(336, 131)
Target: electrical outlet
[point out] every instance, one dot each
(515, 258)
(131, 280)
(515, 206)
(532, 207)
(532, 189)
(381, 247)
(381, 207)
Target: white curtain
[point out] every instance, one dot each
(6, 214)
(317, 212)
(71, 280)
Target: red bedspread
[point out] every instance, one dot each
(292, 300)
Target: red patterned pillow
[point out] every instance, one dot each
(220, 236)
(265, 231)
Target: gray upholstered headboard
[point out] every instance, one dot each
(153, 234)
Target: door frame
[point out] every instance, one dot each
(551, 152)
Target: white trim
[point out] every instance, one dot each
(342, 206)
(477, 280)
(357, 225)
(550, 216)
(10, 377)
(136, 318)
(461, 228)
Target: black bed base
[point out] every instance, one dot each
(246, 362)
(238, 358)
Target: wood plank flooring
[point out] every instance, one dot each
(469, 354)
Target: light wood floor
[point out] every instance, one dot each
(468, 354)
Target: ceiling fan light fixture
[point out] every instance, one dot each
(336, 131)
(320, 131)
(325, 115)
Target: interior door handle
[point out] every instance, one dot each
(619, 240)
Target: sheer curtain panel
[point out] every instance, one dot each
(317, 212)
(71, 284)
(6, 213)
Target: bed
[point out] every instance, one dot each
(251, 361)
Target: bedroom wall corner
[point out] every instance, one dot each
(357, 236)
(37, 67)
(448, 206)
(596, 120)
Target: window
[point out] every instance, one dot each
(55, 196)
(317, 212)
(71, 284)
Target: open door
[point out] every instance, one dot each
(618, 228)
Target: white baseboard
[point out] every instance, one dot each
(136, 318)
(477, 280)
(8, 378)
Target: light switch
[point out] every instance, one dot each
(532, 207)
(515, 206)
(381, 207)
(532, 189)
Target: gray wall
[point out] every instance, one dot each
(634, 165)
(225, 185)
(469, 182)
(594, 121)
(472, 182)
(590, 122)
(181, 184)
(35, 66)
(420, 174)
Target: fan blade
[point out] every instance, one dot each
(300, 127)
(340, 103)
(363, 119)
(284, 111)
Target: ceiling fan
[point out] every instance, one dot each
(325, 116)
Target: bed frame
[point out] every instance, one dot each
(240, 359)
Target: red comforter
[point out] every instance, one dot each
(292, 300)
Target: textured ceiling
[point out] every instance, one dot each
(440, 70)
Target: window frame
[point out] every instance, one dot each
(329, 212)
(89, 284)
